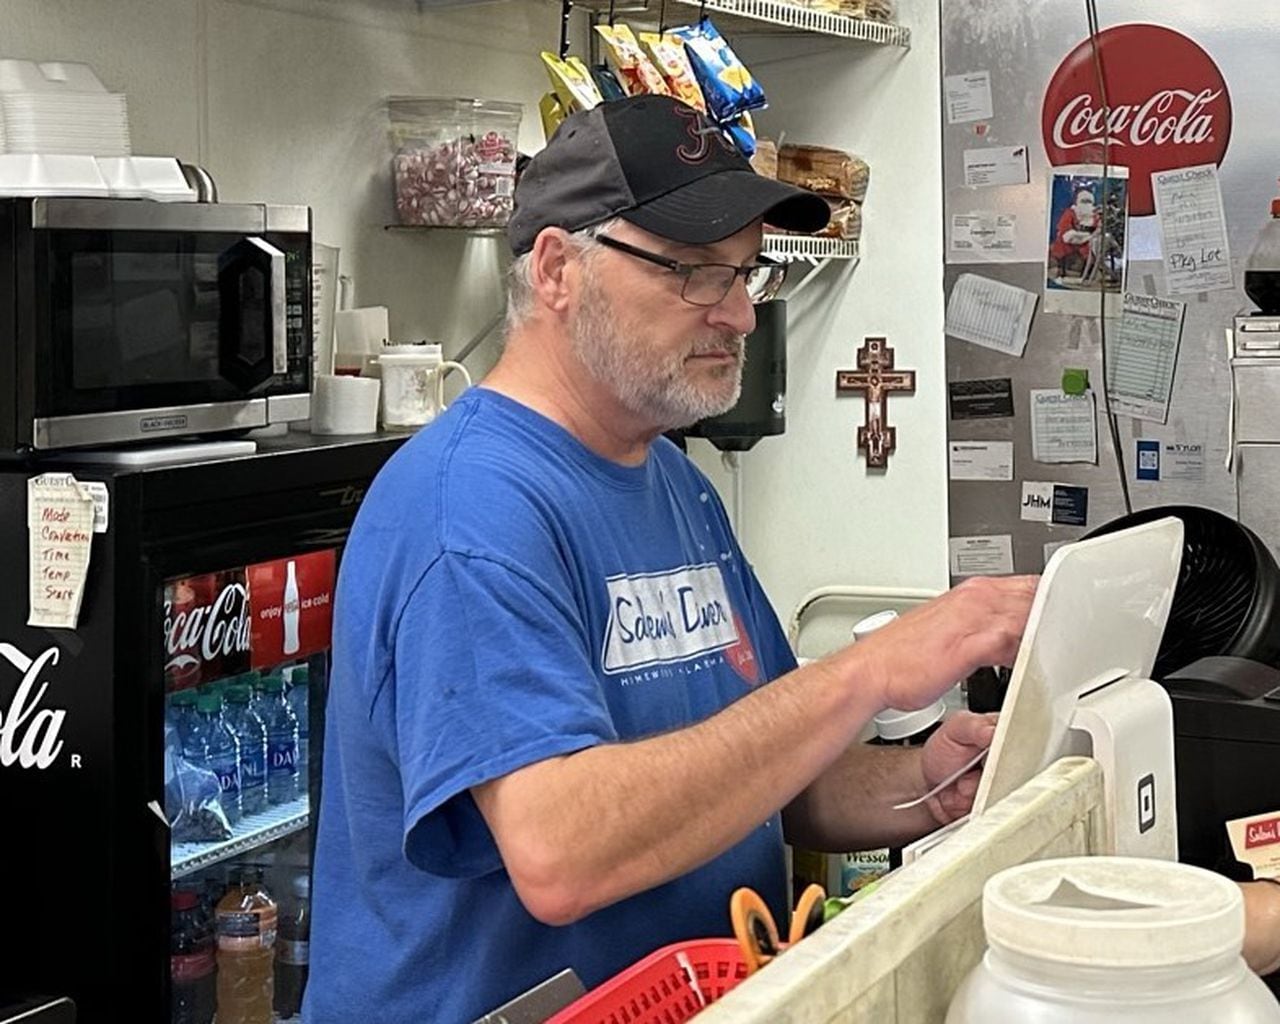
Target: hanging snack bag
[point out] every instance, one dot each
(551, 112)
(635, 71)
(726, 84)
(573, 88)
(668, 54)
(607, 82)
(742, 131)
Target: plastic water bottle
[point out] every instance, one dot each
(215, 748)
(282, 742)
(252, 735)
(246, 918)
(182, 713)
(299, 697)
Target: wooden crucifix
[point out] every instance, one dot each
(876, 377)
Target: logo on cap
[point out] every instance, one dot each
(1167, 106)
(703, 133)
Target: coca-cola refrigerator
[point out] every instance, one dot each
(160, 761)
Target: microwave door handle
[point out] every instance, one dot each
(279, 323)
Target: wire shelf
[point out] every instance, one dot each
(806, 247)
(249, 833)
(739, 16)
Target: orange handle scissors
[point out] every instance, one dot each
(756, 931)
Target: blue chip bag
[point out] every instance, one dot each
(726, 83)
(743, 133)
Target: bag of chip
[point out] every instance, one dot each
(635, 71)
(743, 132)
(551, 112)
(573, 88)
(668, 54)
(726, 84)
(607, 82)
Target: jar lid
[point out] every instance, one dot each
(1113, 912)
(873, 622)
(893, 724)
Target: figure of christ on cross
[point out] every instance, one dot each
(876, 377)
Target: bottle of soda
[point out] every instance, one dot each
(252, 736)
(246, 922)
(282, 742)
(191, 961)
(215, 748)
(299, 697)
(293, 949)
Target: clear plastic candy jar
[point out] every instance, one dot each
(1112, 940)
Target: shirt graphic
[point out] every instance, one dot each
(659, 618)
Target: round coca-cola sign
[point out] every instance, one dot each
(1169, 107)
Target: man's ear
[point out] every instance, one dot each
(554, 271)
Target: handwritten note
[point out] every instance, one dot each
(1193, 230)
(990, 313)
(1141, 355)
(1064, 428)
(60, 517)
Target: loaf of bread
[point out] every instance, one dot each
(845, 222)
(765, 158)
(831, 172)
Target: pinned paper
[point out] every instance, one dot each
(60, 518)
(990, 313)
(996, 165)
(1087, 235)
(1064, 428)
(988, 236)
(1060, 504)
(989, 555)
(981, 460)
(990, 398)
(1193, 230)
(968, 97)
(1142, 351)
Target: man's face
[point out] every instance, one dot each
(666, 361)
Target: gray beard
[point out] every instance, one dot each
(654, 387)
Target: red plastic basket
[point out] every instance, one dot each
(658, 989)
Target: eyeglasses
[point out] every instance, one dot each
(706, 284)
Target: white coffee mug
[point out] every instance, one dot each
(413, 384)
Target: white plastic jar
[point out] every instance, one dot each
(1112, 940)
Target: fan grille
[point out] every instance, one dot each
(1217, 583)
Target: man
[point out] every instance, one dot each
(564, 723)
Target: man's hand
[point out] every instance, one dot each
(921, 655)
(956, 742)
(1262, 926)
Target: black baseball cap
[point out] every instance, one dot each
(659, 164)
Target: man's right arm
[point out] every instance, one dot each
(581, 831)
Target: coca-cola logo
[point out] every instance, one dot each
(29, 733)
(1167, 106)
(194, 635)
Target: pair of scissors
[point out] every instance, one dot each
(756, 931)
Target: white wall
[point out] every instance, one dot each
(813, 514)
(281, 101)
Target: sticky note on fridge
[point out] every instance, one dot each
(60, 520)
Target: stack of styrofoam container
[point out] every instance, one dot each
(63, 133)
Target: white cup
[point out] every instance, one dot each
(413, 384)
(345, 405)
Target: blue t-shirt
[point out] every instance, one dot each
(507, 596)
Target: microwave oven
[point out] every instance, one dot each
(125, 320)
